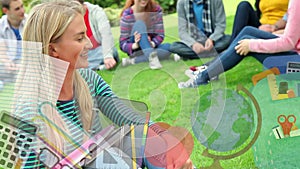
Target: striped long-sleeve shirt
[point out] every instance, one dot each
(155, 28)
(104, 100)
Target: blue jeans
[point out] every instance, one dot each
(142, 54)
(230, 58)
(244, 16)
(96, 58)
(187, 52)
(222, 43)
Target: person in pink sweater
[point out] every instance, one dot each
(254, 42)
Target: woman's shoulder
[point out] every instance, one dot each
(181, 2)
(93, 79)
(89, 75)
(86, 71)
(127, 11)
(93, 7)
(157, 8)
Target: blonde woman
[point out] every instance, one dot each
(55, 93)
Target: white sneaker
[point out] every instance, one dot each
(101, 67)
(176, 57)
(193, 82)
(191, 74)
(154, 61)
(127, 62)
(188, 84)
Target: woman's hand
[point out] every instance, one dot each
(198, 47)
(267, 28)
(151, 42)
(278, 32)
(137, 38)
(209, 44)
(109, 63)
(243, 47)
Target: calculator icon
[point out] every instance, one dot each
(293, 67)
(16, 137)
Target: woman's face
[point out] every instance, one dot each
(141, 3)
(73, 45)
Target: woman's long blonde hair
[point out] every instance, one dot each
(46, 24)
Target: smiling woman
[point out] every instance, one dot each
(73, 45)
(67, 114)
(54, 27)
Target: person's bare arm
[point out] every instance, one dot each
(279, 25)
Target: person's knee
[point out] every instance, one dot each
(175, 46)
(247, 37)
(241, 37)
(140, 26)
(165, 46)
(248, 30)
(222, 43)
(243, 6)
(243, 10)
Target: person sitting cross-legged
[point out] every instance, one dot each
(142, 33)
(201, 27)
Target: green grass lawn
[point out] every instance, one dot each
(158, 88)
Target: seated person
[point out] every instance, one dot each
(103, 55)
(142, 33)
(254, 42)
(201, 26)
(268, 16)
(11, 27)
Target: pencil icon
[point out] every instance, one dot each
(145, 131)
(133, 146)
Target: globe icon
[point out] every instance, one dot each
(223, 120)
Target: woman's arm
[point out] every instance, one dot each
(102, 28)
(288, 41)
(157, 136)
(108, 103)
(279, 25)
(126, 22)
(159, 32)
